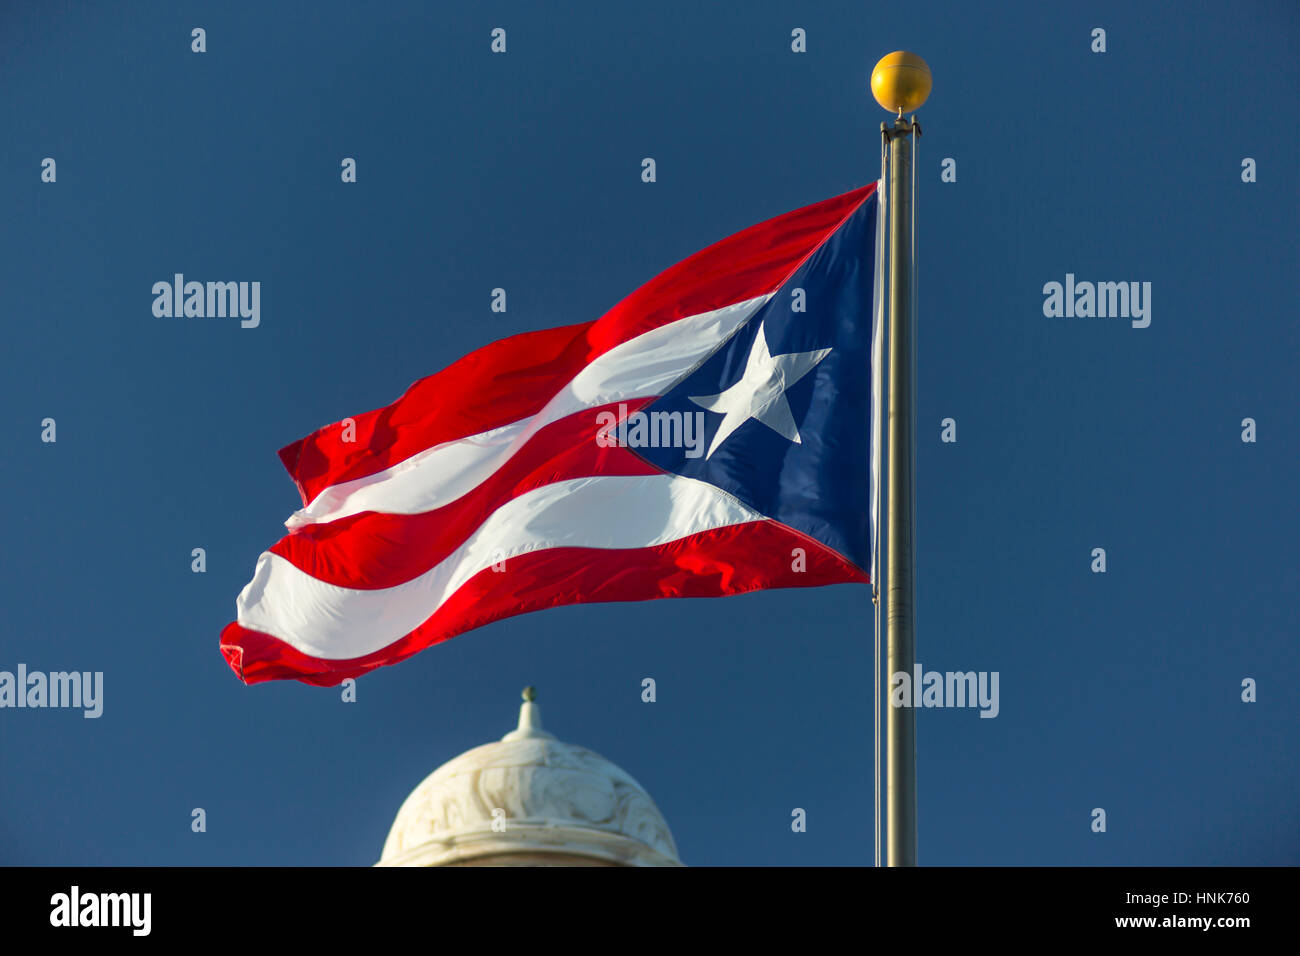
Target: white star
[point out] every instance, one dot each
(760, 393)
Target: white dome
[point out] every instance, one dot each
(558, 805)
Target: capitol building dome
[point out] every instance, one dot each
(529, 800)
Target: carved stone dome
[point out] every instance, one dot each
(529, 800)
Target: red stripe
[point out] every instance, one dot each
(514, 378)
(714, 563)
(371, 551)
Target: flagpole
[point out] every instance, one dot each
(900, 81)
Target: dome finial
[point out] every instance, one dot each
(530, 717)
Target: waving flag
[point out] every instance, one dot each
(710, 435)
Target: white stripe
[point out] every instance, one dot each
(335, 623)
(641, 367)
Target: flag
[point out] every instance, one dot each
(710, 435)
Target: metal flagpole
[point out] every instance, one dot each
(877, 443)
(900, 81)
(901, 654)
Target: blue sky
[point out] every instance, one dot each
(1118, 690)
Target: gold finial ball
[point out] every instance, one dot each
(901, 81)
(530, 693)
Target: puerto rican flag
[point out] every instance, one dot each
(499, 485)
